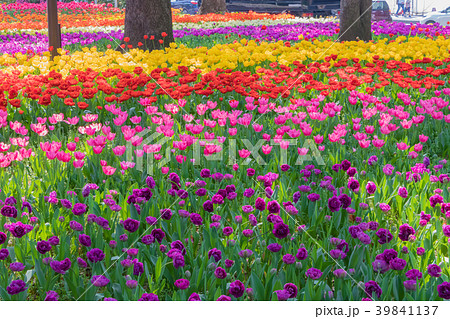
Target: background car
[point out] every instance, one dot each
(188, 6)
(381, 11)
(441, 17)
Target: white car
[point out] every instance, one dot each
(442, 17)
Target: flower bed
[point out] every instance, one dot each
(253, 170)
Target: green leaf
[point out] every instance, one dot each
(158, 269)
(29, 274)
(257, 286)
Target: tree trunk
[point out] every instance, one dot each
(147, 18)
(355, 20)
(212, 6)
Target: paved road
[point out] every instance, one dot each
(414, 19)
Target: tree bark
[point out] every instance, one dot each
(355, 20)
(147, 18)
(212, 6)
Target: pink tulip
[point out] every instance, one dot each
(152, 148)
(78, 164)
(333, 137)
(108, 170)
(157, 120)
(360, 136)
(151, 110)
(201, 109)
(378, 143)
(209, 136)
(180, 158)
(139, 153)
(5, 147)
(278, 138)
(126, 165)
(211, 149)
(266, 149)
(135, 119)
(447, 118)
(197, 129)
(209, 123)
(164, 169)
(257, 127)
(120, 120)
(392, 127)
(294, 133)
(143, 101)
(418, 147)
(21, 130)
(72, 121)
(263, 109)
(222, 122)
(63, 157)
(103, 163)
(364, 143)
(111, 136)
(318, 139)
(90, 117)
(413, 154)
(406, 124)
(136, 140)
(385, 130)
(245, 120)
(18, 141)
(423, 138)
(221, 139)
(437, 115)
(402, 146)
(71, 146)
(302, 151)
(250, 107)
(234, 103)
(51, 155)
(42, 120)
(98, 149)
(284, 145)
(369, 129)
(79, 155)
(188, 117)
(97, 141)
(128, 132)
(39, 129)
(106, 130)
(119, 150)
(244, 153)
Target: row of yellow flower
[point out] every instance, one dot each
(230, 56)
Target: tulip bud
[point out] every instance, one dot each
(212, 266)
(231, 242)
